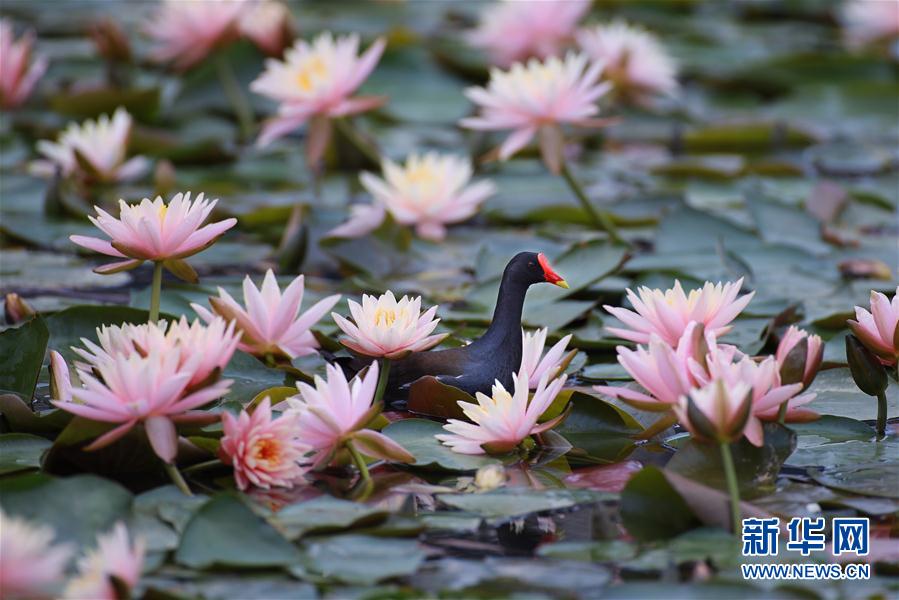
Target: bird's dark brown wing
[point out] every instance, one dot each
(442, 362)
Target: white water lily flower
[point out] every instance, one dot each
(316, 79)
(538, 94)
(385, 327)
(635, 61)
(501, 421)
(93, 150)
(429, 191)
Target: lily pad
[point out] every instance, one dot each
(361, 559)
(225, 533)
(326, 514)
(417, 437)
(21, 452)
(22, 351)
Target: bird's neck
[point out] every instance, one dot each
(506, 325)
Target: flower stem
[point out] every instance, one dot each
(242, 109)
(881, 415)
(383, 375)
(731, 475)
(360, 143)
(155, 291)
(177, 479)
(599, 218)
(367, 483)
(782, 412)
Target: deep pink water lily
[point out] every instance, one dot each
(266, 451)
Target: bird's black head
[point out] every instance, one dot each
(530, 268)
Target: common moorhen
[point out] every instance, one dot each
(496, 355)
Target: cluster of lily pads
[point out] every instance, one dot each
(283, 460)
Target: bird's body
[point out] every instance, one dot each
(496, 355)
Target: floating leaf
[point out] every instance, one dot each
(22, 351)
(21, 452)
(417, 437)
(326, 514)
(225, 533)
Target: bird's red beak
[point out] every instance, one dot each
(549, 274)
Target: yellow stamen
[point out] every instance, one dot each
(314, 69)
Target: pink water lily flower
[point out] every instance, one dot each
(186, 32)
(271, 324)
(335, 412)
(536, 95)
(93, 151)
(667, 313)
(264, 451)
(501, 421)
(152, 390)
(512, 31)
(154, 230)
(762, 376)
(635, 61)
(810, 362)
(60, 378)
(878, 329)
(386, 328)
(429, 191)
(268, 24)
(116, 555)
(535, 363)
(204, 350)
(317, 79)
(31, 565)
(720, 413)
(870, 21)
(364, 218)
(18, 73)
(663, 372)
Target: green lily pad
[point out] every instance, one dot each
(757, 468)
(361, 559)
(225, 533)
(508, 503)
(22, 351)
(326, 514)
(21, 452)
(417, 437)
(78, 508)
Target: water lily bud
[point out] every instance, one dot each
(60, 379)
(719, 412)
(799, 356)
(867, 372)
(878, 329)
(490, 477)
(16, 309)
(111, 41)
